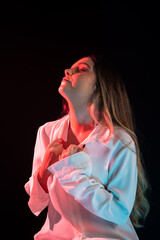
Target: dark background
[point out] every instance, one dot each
(38, 40)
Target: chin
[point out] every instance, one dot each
(63, 91)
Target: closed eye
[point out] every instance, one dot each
(82, 69)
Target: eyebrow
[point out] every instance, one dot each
(82, 63)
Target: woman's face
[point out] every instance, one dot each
(78, 84)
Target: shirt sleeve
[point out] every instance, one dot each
(39, 199)
(114, 202)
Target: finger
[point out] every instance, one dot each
(71, 146)
(56, 148)
(65, 153)
(62, 155)
(72, 149)
(59, 151)
(81, 148)
(56, 151)
(75, 150)
(60, 145)
(56, 142)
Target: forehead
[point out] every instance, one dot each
(87, 60)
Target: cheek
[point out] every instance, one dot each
(84, 82)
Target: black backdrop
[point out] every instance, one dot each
(38, 40)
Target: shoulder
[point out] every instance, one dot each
(121, 138)
(48, 127)
(120, 134)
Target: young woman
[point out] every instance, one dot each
(86, 167)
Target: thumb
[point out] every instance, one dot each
(81, 148)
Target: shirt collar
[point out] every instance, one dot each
(99, 133)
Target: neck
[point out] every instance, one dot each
(80, 120)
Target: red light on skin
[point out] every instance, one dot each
(65, 80)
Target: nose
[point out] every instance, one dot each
(68, 72)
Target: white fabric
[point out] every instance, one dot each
(91, 193)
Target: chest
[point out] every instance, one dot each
(70, 140)
(76, 140)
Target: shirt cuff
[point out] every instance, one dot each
(39, 199)
(77, 161)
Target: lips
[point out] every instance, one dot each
(66, 79)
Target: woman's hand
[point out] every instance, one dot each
(72, 149)
(54, 149)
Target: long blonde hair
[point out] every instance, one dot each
(110, 107)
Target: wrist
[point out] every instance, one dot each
(43, 174)
(43, 177)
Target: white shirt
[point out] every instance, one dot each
(91, 193)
